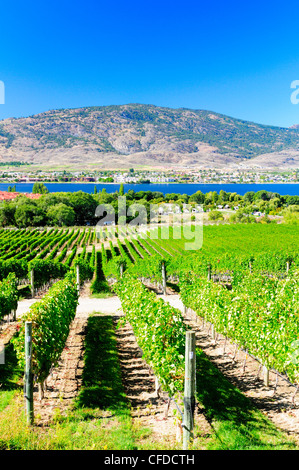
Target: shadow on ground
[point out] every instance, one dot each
(234, 419)
(101, 382)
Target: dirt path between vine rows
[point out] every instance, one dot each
(148, 409)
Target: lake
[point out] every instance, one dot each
(291, 189)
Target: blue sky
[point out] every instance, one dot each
(232, 57)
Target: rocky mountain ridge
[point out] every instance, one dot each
(137, 135)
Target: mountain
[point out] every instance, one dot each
(136, 135)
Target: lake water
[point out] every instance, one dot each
(179, 188)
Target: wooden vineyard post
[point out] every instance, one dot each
(213, 331)
(121, 269)
(28, 389)
(32, 282)
(189, 389)
(78, 278)
(209, 272)
(266, 376)
(164, 277)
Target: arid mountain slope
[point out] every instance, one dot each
(137, 135)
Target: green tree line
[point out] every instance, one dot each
(79, 208)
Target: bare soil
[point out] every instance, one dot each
(149, 408)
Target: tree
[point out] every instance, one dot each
(215, 197)
(291, 200)
(262, 195)
(51, 199)
(223, 195)
(198, 197)
(130, 194)
(61, 215)
(7, 213)
(249, 196)
(183, 199)
(28, 214)
(84, 205)
(232, 197)
(171, 196)
(157, 194)
(39, 188)
(104, 197)
(274, 203)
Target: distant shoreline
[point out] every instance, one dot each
(284, 189)
(139, 184)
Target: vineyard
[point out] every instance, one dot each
(243, 283)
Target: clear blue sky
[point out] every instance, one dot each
(232, 57)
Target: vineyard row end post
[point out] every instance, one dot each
(28, 388)
(32, 282)
(164, 277)
(78, 278)
(189, 389)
